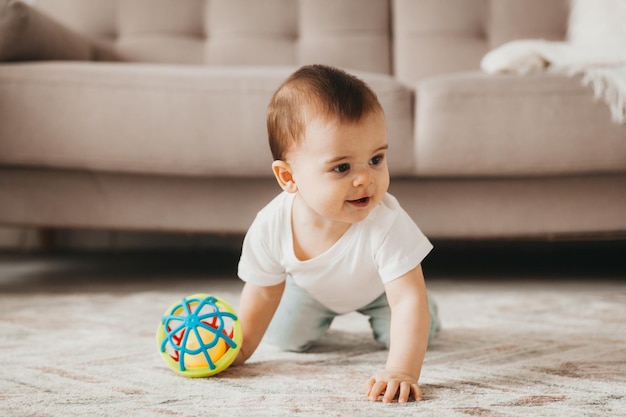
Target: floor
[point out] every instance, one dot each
(530, 329)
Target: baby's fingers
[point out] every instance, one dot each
(405, 392)
(417, 392)
(390, 391)
(376, 388)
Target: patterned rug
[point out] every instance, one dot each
(80, 342)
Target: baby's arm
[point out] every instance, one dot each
(410, 324)
(256, 309)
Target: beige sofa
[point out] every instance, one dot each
(169, 134)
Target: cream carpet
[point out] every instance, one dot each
(77, 339)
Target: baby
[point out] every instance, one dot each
(335, 241)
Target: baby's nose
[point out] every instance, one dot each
(362, 177)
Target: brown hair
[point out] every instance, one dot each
(317, 90)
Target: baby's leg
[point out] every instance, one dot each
(379, 315)
(300, 320)
(435, 322)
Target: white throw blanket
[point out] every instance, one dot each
(604, 68)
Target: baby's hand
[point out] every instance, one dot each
(391, 385)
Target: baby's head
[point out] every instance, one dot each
(316, 91)
(328, 136)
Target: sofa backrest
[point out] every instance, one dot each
(433, 37)
(352, 34)
(412, 39)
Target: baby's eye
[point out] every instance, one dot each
(377, 159)
(341, 168)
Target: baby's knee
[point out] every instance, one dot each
(435, 322)
(290, 337)
(288, 343)
(381, 336)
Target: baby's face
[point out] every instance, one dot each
(341, 169)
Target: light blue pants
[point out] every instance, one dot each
(300, 320)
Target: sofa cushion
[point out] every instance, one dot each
(527, 19)
(159, 119)
(437, 37)
(598, 23)
(352, 34)
(473, 124)
(28, 34)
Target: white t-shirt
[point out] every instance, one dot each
(350, 274)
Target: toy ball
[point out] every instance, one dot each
(199, 336)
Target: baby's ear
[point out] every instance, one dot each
(284, 176)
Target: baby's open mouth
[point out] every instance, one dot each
(361, 202)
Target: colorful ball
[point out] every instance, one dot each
(199, 336)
